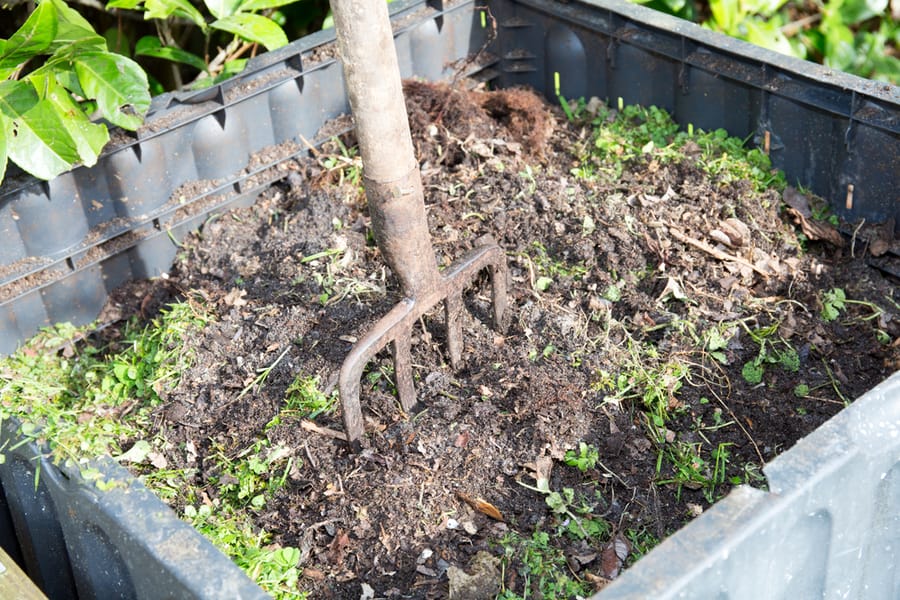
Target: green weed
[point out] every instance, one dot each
(548, 269)
(76, 395)
(87, 401)
(833, 302)
(345, 165)
(254, 474)
(334, 280)
(304, 399)
(642, 542)
(275, 569)
(586, 457)
(773, 350)
(541, 567)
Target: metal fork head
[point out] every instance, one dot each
(395, 328)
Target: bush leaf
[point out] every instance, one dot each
(163, 9)
(73, 32)
(42, 145)
(254, 5)
(254, 28)
(4, 125)
(89, 138)
(34, 37)
(117, 83)
(222, 8)
(149, 45)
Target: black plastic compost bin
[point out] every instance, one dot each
(68, 242)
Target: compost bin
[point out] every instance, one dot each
(828, 525)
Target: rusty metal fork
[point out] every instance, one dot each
(396, 202)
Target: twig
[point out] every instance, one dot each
(793, 28)
(834, 384)
(165, 34)
(715, 252)
(612, 474)
(310, 426)
(492, 35)
(312, 461)
(312, 148)
(853, 239)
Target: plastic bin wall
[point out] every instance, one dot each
(830, 522)
(829, 526)
(75, 541)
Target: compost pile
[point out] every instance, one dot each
(636, 304)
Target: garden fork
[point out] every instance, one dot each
(393, 186)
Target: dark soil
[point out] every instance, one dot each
(498, 164)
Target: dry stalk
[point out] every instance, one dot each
(714, 252)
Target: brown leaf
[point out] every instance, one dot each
(816, 230)
(314, 574)
(338, 547)
(235, 298)
(879, 247)
(736, 230)
(613, 557)
(482, 506)
(884, 238)
(797, 201)
(598, 582)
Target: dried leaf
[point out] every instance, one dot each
(672, 288)
(879, 247)
(584, 559)
(736, 230)
(482, 506)
(385, 539)
(368, 592)
(797, 201)
(720, 236)
(817, 230)
(613, 557)
(595, 580)
(158, 460)
(884, 238)
(235, 298)
(338, 547)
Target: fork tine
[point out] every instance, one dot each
(453, 307)
(403, 373)
(498, 293)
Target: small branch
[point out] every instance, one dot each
(310, 426)
(715, 252)
(793, 28)
(165, 34)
